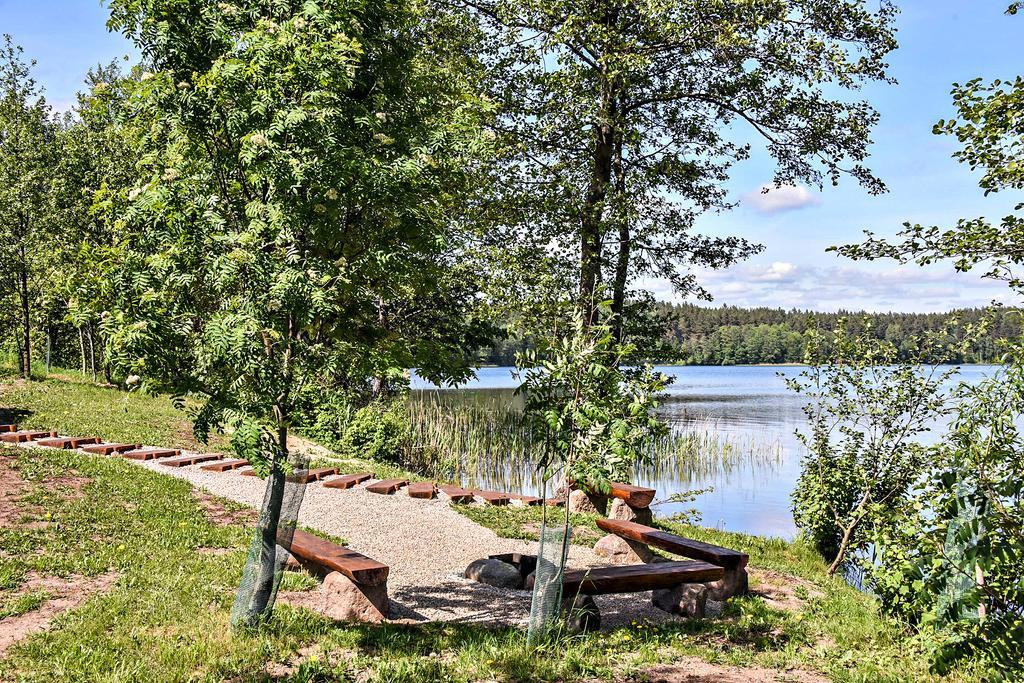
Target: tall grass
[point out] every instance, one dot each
(485, 440)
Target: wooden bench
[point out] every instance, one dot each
(68, 442)
(348, 481)
(26, 436)
(638, 577)
(109, 448)
(734, 581)
(634, 496)
(354, 586)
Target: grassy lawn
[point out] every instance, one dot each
(165, 617)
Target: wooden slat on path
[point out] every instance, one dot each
(348, 481)
(528, 500)
(69, 442)
(151, 453)
(456, 494)
(387, 486)
(493, 497)
(8, 428)
(224, 465)
(108, 448)
(422, 489)
(190, 460)
(355, 566)
(639, 577)
(316, 475)
(26, 436)
(555, 502)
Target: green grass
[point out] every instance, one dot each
(167, 617)
(21, 604)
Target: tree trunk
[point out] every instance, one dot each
(256, 603)
(26, 321)
(594, 208)
(92, 353)
(621, 279)
(81, 345)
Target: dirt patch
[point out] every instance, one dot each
(12, 487)
(693, 670)
(219, 513)
(64, 595)
(781, 591)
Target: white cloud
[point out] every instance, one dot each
(769, 199)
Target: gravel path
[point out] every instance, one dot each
(427, 546)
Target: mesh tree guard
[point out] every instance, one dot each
(268, 551)
(552, 556)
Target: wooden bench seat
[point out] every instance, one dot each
(338, 558)
(639, 577)
(26, 436)
(69, 442)
(109, 448)
(678, 545)
(634, 496)
(348, 481)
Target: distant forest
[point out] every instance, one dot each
(728, 335)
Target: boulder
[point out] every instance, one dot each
(342, 599)
(581, 501)
(687, 600)
(495, 573)
(580, 613)
(733, 583)
(619, 509)
(623, 551)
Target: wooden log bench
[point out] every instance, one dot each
(69, 442)
(354, 587)
(456, 494)
(110, 448)
(387, 487)
(224, 465)
(733, 562)
(423, 490)
(26, 436)
(348, 481)
(633, 496)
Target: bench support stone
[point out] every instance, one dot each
(580, 613)
(687, 599)
(623, 551)
(733, 583)
(342, 599)
(620, 509)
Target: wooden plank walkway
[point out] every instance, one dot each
(348, 481)
(424, 490)
(224, 465)
(69, 442)
(317, 475)
(108, 448)
(189, 460)
(144, 454)
(387, 486)
(26, 436)
(8, 428)
(456, 494)
(493, 497)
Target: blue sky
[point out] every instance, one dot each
(941, 42)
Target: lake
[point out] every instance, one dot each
(745, 412)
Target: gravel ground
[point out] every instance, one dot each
(426, 544)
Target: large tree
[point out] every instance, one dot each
(27, 140)
(621, 121)
(300, 162)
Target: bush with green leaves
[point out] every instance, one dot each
(866, 411)
(593, 414)
(378, 432)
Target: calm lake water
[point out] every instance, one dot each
(746, 411)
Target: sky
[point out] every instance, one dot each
(941, 42)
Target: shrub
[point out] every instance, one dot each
(378, 432)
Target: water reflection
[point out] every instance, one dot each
(734, 431)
